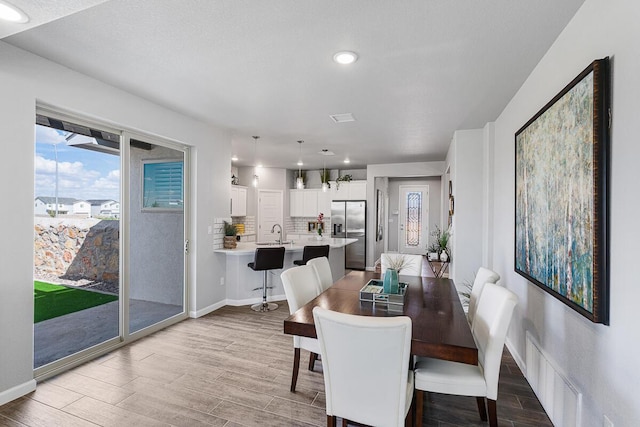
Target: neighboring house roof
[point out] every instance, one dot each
(98, 202)
(61, 200)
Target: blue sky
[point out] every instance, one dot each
(82, 174)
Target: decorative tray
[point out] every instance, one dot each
(372, 292)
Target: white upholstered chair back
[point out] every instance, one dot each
(366, 366)
(323, 270)
(300, 286)
(484, 275)
(489, 329)
(412, 263)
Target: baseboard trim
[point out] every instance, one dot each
(232, 302)
(18, 391)
(516, 356)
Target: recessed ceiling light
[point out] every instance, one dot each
(234, 158)
(342, 118)
(300, 163)
(345, 57)
(347, 161)
(11, 13)
(326, 152)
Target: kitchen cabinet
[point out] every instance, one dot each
(309, 203)
(238, 201)
(351, 190)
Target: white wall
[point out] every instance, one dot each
(465, 165)
(602, 361)
(25, 79)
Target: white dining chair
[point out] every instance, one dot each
(484, 275)
(365, 362)
(489, 329)
(323, 270)
(301, 286)
(412, 265)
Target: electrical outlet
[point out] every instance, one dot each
(210, 230)
(607, 422)
(222, 281)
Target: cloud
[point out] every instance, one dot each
(74, 180)
(47, 135)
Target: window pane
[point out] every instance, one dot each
(414, 219)
(163, 185)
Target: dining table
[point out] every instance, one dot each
(439, 323)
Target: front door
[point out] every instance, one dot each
(269, 213)
(413, 221)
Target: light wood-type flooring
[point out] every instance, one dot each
(229, 368)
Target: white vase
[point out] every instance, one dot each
(444, 257)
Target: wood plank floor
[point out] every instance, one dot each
(229, 368)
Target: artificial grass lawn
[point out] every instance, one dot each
(55, 300)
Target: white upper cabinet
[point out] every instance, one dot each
(238, 201)
(352, 190)
(309, 203)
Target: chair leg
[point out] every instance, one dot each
(331, 421)
(493, 413)
(312, 360)
(296, 366)
(481, 408)
(419, 402)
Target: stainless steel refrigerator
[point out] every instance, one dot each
(349, 220)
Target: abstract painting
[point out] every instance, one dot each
(561, 195)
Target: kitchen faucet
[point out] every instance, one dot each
(279, 239)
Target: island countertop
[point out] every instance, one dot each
(245, 248)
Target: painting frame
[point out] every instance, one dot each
(379, 215)
(562, 162)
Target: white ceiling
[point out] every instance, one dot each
(426, 67)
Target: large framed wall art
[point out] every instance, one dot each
(562, 195)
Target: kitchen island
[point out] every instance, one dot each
(240, 280)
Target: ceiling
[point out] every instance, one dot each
(426, 67)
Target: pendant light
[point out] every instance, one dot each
(325, 184)
(299, 180)
(255, 165)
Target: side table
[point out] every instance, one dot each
(439, 268)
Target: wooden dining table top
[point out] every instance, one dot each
(439, 324)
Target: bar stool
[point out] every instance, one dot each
(266, 259)
(310, 252)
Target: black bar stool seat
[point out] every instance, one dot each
(266, 259)
(310, 252)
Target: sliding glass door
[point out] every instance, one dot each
(76, 238)
(157, 243)
(110, 247)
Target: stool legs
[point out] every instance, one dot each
(264, 305)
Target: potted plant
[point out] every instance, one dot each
(325, 176)
(343, 178)
(230, 232)
(320, 225)
(440, 245)
(301, 174)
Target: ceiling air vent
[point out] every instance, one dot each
(342, 118)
